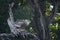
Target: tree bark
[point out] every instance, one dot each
(38, 20)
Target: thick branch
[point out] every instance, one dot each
(6, 36)
(11, 13)
(39, 20)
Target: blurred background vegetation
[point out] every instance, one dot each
(25, 11)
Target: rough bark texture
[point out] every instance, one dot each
(38, 20)
(41, 23)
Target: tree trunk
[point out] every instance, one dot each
(38, 20)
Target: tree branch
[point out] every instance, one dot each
(53, 13)
(48, 21)
(39, 20)
(11, 13)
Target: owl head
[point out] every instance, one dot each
(22, 23)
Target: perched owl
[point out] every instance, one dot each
(22, 23)
(18, 26)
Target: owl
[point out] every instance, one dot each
(22, 23)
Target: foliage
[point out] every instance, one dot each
(25, 11)
(55, 27)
